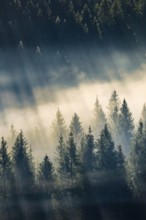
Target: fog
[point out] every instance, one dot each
(33, 86)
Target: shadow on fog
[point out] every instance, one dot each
(23, 70)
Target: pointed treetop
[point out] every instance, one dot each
(143, 114)
(90, 130)
(140, 128)
(71, 134)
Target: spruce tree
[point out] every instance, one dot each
(5, 170)
(120, 159)
(24, 177)
(113, 116)
(72, 158)
(61, 159)
(126, 126)
(99, 119)
(59, 126)
(88, 152)
(46, 175)
(76, 128)
(143, 115)
(137, 163)
(106, 153)
(12, 136)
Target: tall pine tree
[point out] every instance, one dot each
(106, 153)
(23, 172)
(113, 116)
(99, 119)
(88, 158)
(76, 128)
(143, 115)
(126, 126)
(59, 126)
(137, 163)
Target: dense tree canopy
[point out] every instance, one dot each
(39, 22)
(81, 177)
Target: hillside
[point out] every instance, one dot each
(58, 22)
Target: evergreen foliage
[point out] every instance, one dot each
(113, 117)
(83, 176)
(126, 126)
(88, 153)
(99, 119)
(76, 128)
(143, 115)
(137, 162)
(59, 126)
(23, 173)
(34, 21)
(106, 154)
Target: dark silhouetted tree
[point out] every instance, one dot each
(126, 126)
(143, 115)
(46, 175)
(23, 173)
(73, 161)
(88, 152)
(6, 175)
(137, 163)
(106, 153)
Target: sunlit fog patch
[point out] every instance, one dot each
(78, 99)
(30, 102)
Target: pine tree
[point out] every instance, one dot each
(24, 177)
(12, 135)
(120, 159)
(143, 115)
(72, 158)
(126, 126)
(5, 170)
(60, 158)
(76, 128)
(99, 119)
(106, 154)
(88, 153)
(59, 126)
(46, 175)
(113, 117)
(137, 163)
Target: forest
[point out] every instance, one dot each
(98, 174)
(64, 22)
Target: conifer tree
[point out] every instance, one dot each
(76, 128)
(99, 119)
(59, 126)
(24, 177)
(12, 134)
(46, 175)
(106, 154)
(113, 117)
(6, 175)
(61, 159)
(126, 126)
(120, 159)
(72, 158)
(88, 153)
(143, 115)
(137, 163)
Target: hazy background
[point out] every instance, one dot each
(35, 82)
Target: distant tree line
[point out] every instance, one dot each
(88, 177)
(36, 22)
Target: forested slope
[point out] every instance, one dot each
(47, 22)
